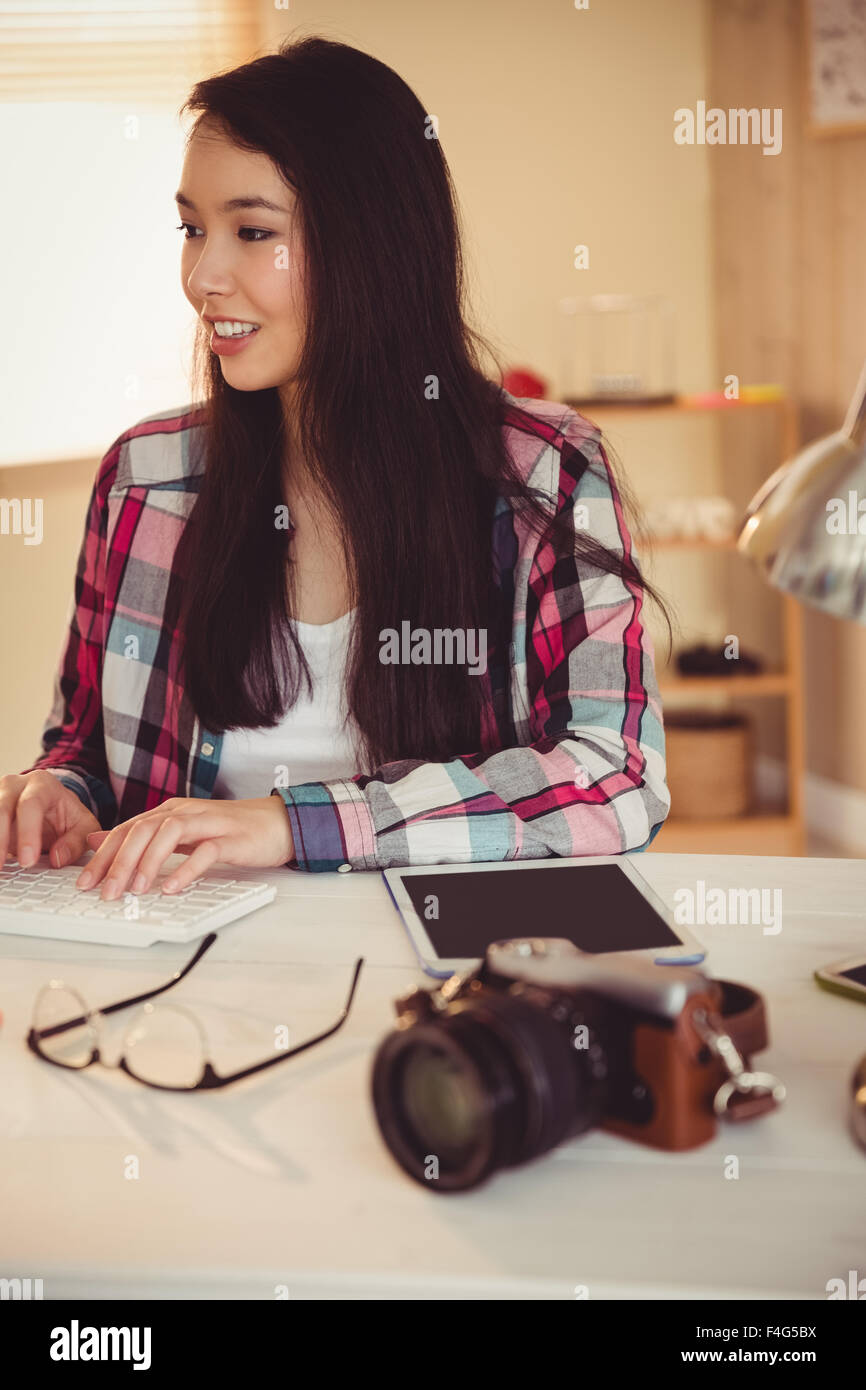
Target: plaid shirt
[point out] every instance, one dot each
(572, 744)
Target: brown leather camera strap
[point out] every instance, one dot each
(733, 1028)
(745, 1018)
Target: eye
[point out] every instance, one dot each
(245, 233)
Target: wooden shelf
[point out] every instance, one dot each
(762, 684)
(674, 407)
(777, 832)
(761, 833)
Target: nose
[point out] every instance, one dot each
(211, 275)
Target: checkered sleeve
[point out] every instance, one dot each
(73, 744)
(590, 777)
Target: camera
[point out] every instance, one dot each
(541, 1042)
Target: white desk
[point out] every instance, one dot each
(284, 1179)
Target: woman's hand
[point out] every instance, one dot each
(38, 814)
(254, 833)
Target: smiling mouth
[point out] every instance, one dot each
(229, 329)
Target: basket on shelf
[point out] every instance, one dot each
(709, 755)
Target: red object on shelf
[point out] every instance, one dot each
(520, 381)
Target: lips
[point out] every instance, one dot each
(226, 347)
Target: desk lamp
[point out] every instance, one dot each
(806, 526)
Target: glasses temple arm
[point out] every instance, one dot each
(302, 1047)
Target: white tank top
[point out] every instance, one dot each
(316, 740)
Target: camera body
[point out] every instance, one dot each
(541, 1042)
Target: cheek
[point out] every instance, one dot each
(287, 279)
(281, 289)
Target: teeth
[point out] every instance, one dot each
(230, 328)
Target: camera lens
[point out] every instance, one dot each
(493, 1082)
(442, 1103)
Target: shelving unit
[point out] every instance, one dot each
(762, 831)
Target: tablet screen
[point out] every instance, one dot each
(594, 905)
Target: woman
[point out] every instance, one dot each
(359, 607)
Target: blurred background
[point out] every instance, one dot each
(703, 302)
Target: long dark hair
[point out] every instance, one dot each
(410, 469)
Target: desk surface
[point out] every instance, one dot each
(283, 1180)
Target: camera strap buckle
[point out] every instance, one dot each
(745, 1093)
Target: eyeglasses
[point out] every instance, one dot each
(165, 1045)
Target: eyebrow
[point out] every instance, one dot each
(233, 204)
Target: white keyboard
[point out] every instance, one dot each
(43, 901)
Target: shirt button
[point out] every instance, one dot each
(207, 749)
(344, 869)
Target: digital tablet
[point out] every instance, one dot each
(453, 912)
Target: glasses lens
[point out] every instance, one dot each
(69, 1047)
(165, 1046)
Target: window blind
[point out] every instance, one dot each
(120, 50)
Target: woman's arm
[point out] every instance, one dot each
(589, 780)
(73, 740)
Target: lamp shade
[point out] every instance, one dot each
(806, 526)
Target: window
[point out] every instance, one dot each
(97, 331)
